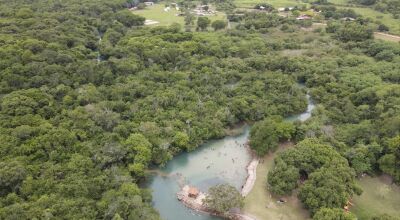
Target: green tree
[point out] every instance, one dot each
(328, 180)
(390, 162)
(265, 135)
(126, 202)
(129, 19)
(139, 154)
(283, 178)
(218, 25)
(328, 187)
(222, 198)
(189, 18)
(353, 31)
(181, 139)
(333, 214)
(203, 23)
(12, 174)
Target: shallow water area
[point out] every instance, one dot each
(218, 161)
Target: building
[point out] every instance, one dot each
(193, 192)
(148, 3)
(303, 17)
(347, 19)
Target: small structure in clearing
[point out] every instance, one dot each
(193, 192)
(204, 10)
(150, 22)
(303, 17)
(148, 3)
(348, 19)
(186, 196)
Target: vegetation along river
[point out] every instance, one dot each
(218, 161)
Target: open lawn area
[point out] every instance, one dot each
(262, 205)
(339, 2)
(379, 197)
(275, 3)
(156, 13)
(387, 19)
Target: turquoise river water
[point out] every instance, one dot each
(218, 161)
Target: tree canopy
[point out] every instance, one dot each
(223, 197)
(329, 182)
(266, 134)
(90, 99)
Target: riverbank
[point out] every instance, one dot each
(251, 178)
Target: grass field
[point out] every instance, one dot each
(262, 205)
(157, 13)
(387, 19)
(379, 197)
(275, 3)
(339, 2)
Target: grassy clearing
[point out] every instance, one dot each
(262, 205)
(339, 2)
(379, 197)
(157, 13)
(275, 3)
(387, 19)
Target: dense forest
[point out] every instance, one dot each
(90, 99)
(82, 118)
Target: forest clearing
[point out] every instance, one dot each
(380, 196)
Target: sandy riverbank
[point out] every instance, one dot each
(251, 178)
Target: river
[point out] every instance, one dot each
(218, 161)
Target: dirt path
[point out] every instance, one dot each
(251, 179)
(388, 37)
